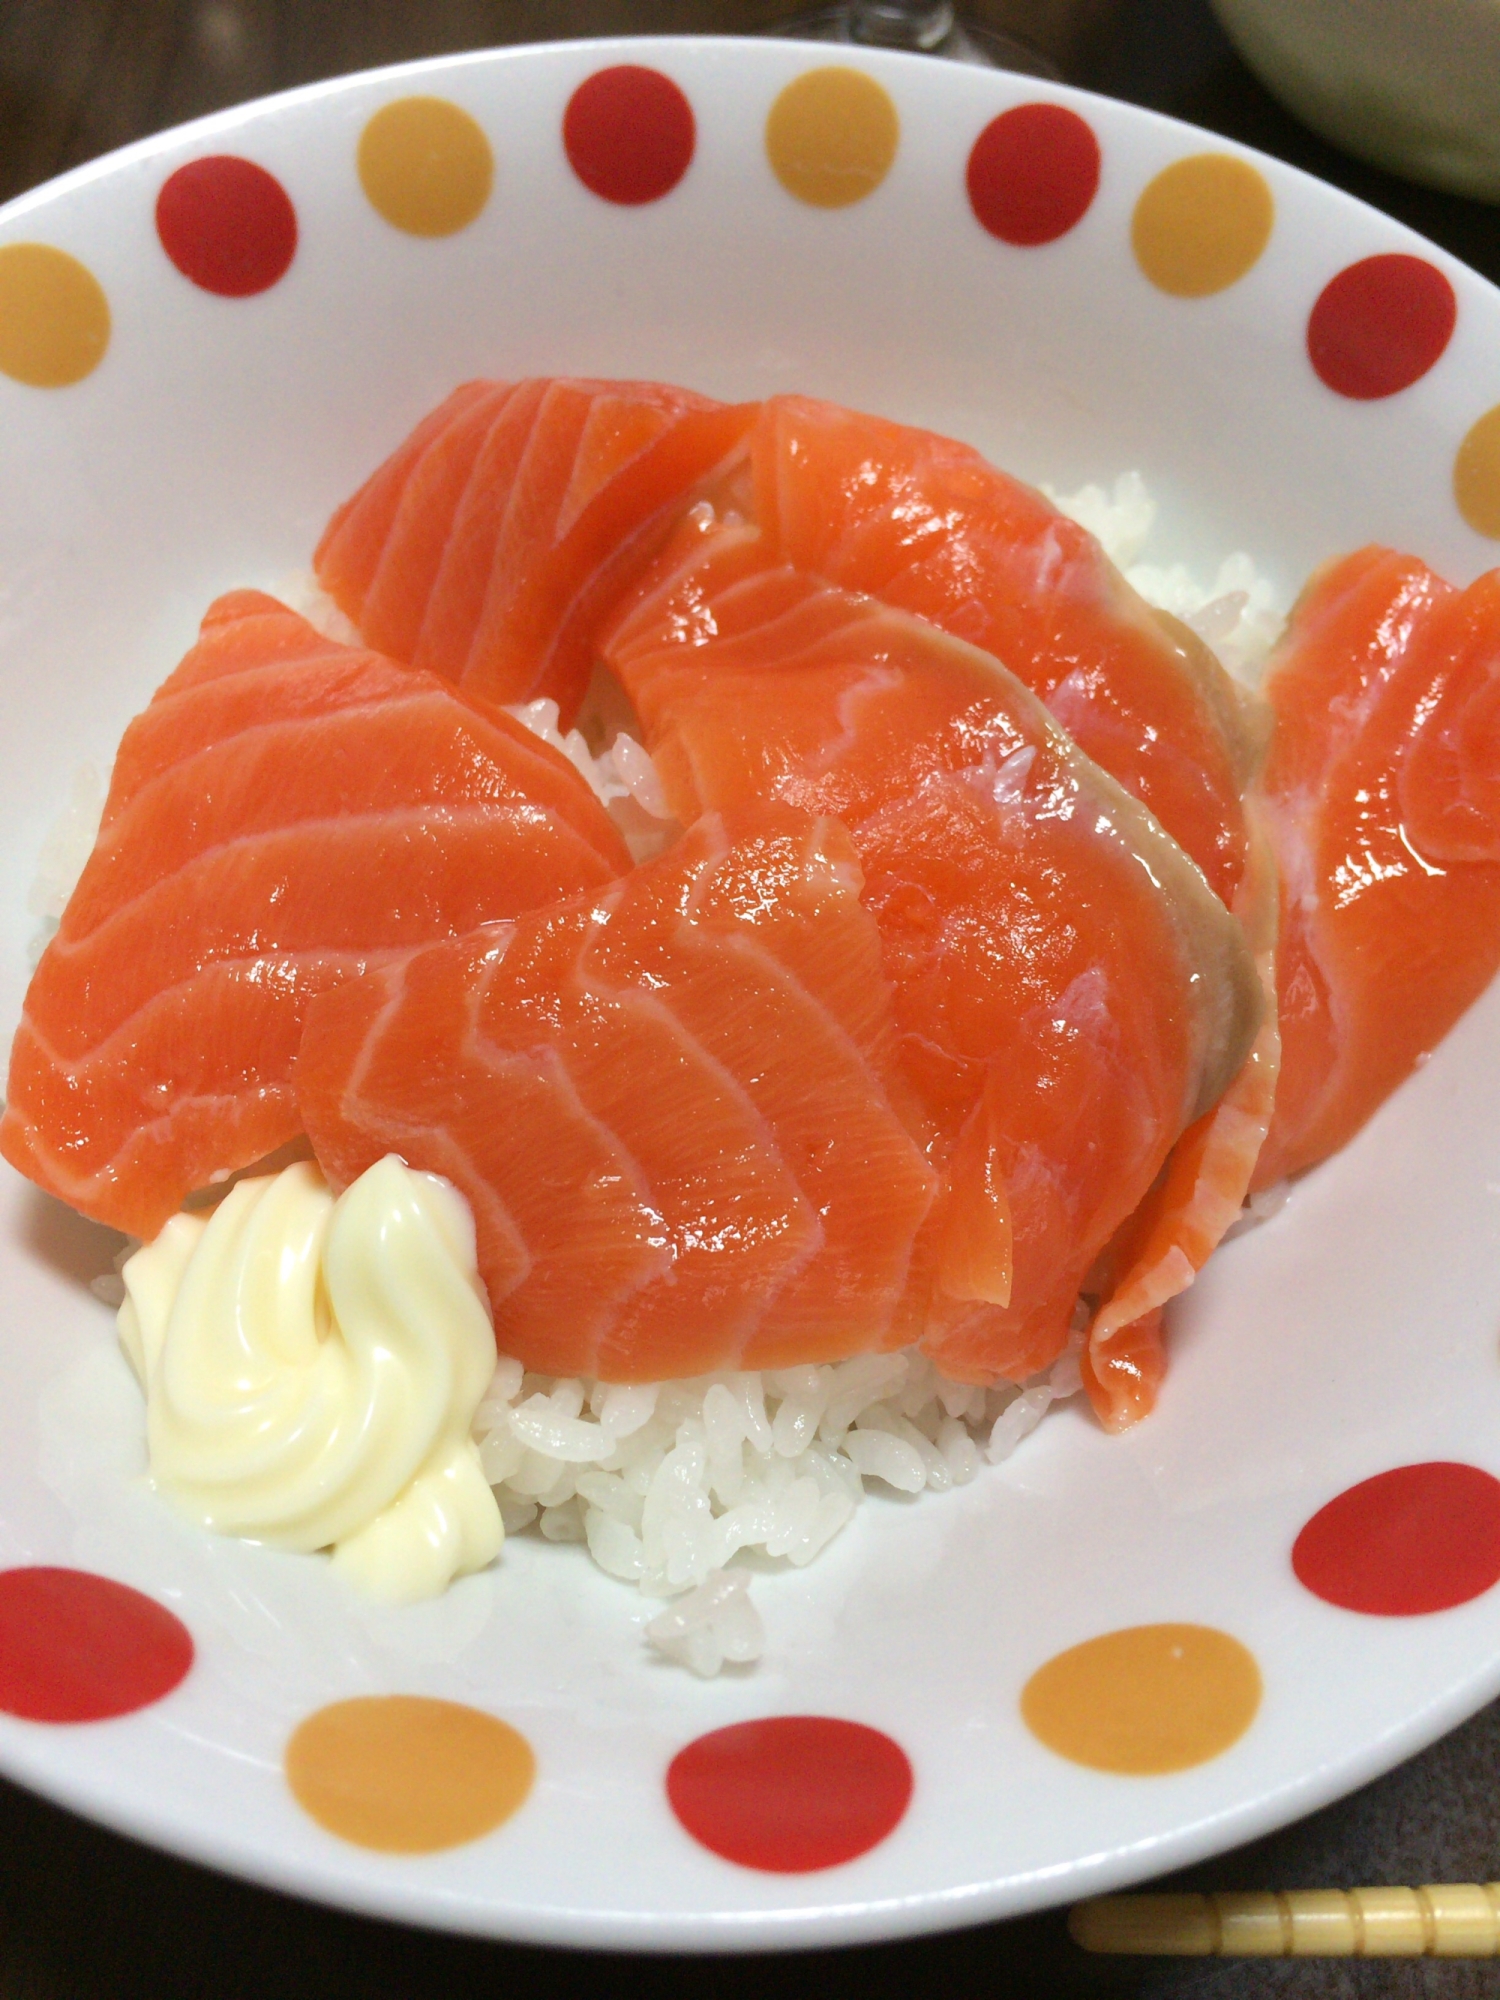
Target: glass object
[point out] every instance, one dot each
(927, 27)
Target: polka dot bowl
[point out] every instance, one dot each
(1107, 1656)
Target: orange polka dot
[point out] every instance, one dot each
(1201, 224)
(1144, 1700)
(54, 317)
(425, 166)
(831, 136)
(408, 1775)
(1476, 475)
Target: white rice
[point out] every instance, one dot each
(1239, 615)
(622, 775)
(300, 591)
(665, 1485)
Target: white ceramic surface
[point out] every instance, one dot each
(1355, 1331)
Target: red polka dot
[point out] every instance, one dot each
(1380, 325)
(77, 1648)
(1033, 173)
(629, 134)
(791, 1793)
(1420, 1538)
(227, 224)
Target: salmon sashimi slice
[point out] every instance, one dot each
(1197, 1199)
(404, 558)
(364, 528)
(284, 813)
(498, 536)
(1069, 993)
(489, 545)
(928, 526)
(1383, 806)
(666, 1104)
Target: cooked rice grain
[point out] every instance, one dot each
(666, 1484)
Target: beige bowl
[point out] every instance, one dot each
(1413, 85)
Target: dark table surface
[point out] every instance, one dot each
(85, 1914)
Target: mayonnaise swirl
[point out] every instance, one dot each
(312, 1368)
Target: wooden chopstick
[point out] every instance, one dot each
(1441, 1920)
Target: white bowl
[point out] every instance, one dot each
(1413, 85)
(1354, 1332)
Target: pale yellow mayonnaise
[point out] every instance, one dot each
(312, 1368)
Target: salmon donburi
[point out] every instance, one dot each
(831, 960)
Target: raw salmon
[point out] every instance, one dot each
(497, 537)
(286, 812)
(489, 545)
(666, 1104)
(927, 526)
(1197, 1198)
(1384, 807)
(1069, 993)
(948, 1011)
